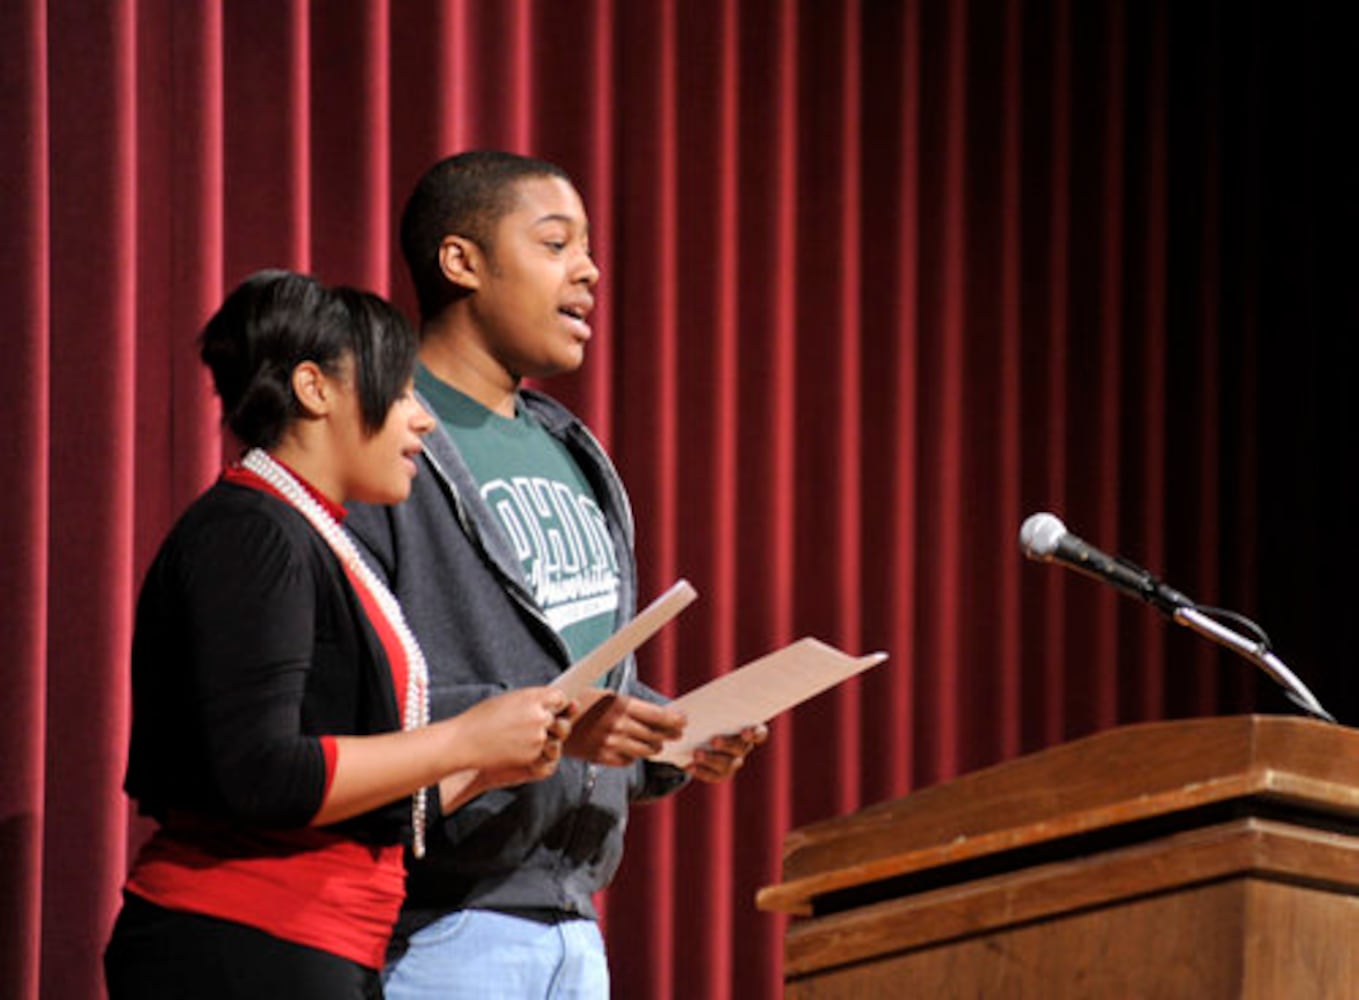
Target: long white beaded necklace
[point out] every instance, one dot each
(416, 710)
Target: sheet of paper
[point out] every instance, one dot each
(582, 674)
(759, 691)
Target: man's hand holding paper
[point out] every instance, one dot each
(710, 731)
(722, 756)
(616, 729)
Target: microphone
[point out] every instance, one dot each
(1044, 538)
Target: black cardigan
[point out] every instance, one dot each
(250, 644)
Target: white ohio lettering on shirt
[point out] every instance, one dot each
(562, 540)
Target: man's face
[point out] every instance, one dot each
(536, 288)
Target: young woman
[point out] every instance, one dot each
(280, 730)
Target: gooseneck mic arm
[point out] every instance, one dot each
(1258, 653)
(1044, 538)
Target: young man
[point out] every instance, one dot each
(512, 558)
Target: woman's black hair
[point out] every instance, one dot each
(385, 352)
(275, 320)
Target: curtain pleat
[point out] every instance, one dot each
(266, 123)
(179, 239)
(1109, 324)
(1051, 491)
(1146, 362)
(1210, 439)
(879, 280)
(890, 405)
(645, 344)
(93, 119)
(346, 145)
(1006, 648)
(847, 628)
(25, 528)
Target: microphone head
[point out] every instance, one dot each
(1039, 535)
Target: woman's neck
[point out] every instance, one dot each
(309, 459)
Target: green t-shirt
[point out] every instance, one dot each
(546, 508)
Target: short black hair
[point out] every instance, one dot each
(273, 321)
(385, 352)
(462, 195)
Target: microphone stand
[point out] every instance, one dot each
(1258, 654)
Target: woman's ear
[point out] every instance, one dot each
(313, 389)
(461, 262)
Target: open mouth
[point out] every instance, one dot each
(577, 312)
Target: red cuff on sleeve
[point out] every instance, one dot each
(331, 752)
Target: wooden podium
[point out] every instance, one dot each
(1202, 858)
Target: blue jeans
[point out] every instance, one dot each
(492, 956)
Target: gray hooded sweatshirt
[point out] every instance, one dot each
(547, 846)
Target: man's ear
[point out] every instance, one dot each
(313, 389)
(461, 261)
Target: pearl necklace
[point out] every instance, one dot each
(416, 710)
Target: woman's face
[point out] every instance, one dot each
(379, 467)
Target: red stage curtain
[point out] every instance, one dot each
(880, 279)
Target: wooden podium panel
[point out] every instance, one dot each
(1205, 858)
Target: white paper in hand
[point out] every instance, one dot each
(582, 674)
(759, 691)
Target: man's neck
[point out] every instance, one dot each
(456, 360)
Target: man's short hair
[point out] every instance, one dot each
(462, 195)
